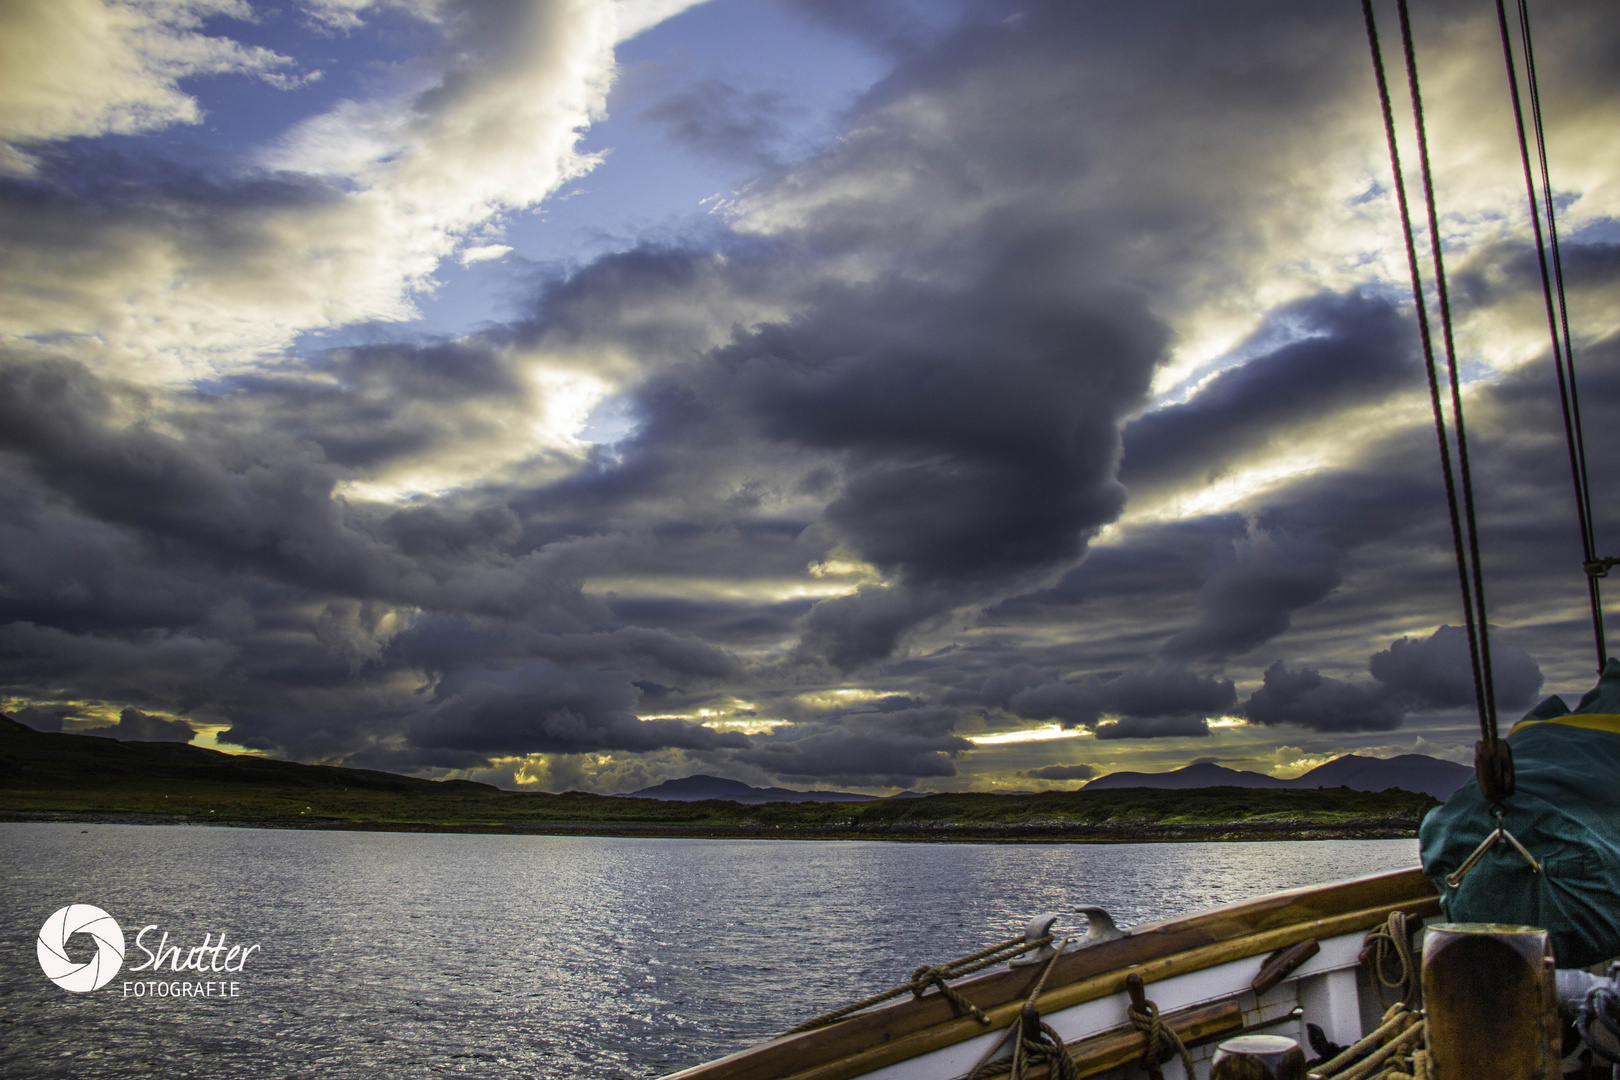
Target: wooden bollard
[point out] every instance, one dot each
(1491, 1001)
(1258, 1057)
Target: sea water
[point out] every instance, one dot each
(384, 955)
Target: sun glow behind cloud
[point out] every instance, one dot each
(1048, 733)
(828, 468)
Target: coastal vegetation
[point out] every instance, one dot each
(77, 777)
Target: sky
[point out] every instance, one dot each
(849, 394)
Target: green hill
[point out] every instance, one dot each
(47, 776)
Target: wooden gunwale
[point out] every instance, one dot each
(910, 1027)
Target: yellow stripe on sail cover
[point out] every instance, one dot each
(1609, 722)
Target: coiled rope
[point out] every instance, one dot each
(1034, 1042)
(1383, 1054)
(1160, 1043)
(926, 976)
(1562, 344)
(1391, 944)
(1492, 760)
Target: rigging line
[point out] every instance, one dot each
(1558, 264)
(1428, 353)
(1563, 360)
(1489, 703)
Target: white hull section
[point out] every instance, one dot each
(1331, 987)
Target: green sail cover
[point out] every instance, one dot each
(1566, 810)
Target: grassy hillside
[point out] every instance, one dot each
(77, 776)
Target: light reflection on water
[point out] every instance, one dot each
(414, 955)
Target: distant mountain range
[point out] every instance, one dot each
(30, 759)
(1409, 772)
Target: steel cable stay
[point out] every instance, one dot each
(1557, 318)
(1492, 760)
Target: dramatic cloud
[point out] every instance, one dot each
(543, 708)
(1248, 599)
(1348, 350)
(863, 757)
(1060, 772)
(348, 215)
(1307, 699)
(84, 67)
(1044, 383)
(1154, 727)
(712, 117)
(144, 727)
(1149, 704)
(1435, 672)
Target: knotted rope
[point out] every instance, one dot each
(1034, 1042)
(1392, 943)
(926, 976)
(1160, 1043)
(1402, 1032)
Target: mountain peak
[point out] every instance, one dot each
(1409, 772)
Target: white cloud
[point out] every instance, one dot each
(87, 67)
(483, 253)
(186, 291)
(636, 16)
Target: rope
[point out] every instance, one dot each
(1160, 1043)
(1402, 1028)
(1563, 348)
(1393, 942)
(1466, 548)
(1396, 1047)
(1034, 1041)
(1420, 1068)
(926, 976)
(1034, 1044)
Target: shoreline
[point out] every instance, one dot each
(910, 832)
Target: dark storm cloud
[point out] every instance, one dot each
(1151, 703)
(147, 667)
(547, 708)
(867, 625)
(1435, 672)
(713, 118)
(1501, 270)
(1352, 349)
(1151, 561)
(725, 623)
(974, 431)
(1154, 727)
(876, 757)
(246, 500)
(1250, 596)
(1308, 699)
(1060, 772)
(940, 325)
(134, 725)
(372, 405)
(975, 425)
(46, 717)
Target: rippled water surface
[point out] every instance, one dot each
(398, 955)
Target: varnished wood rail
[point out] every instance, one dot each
(911, 1027)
